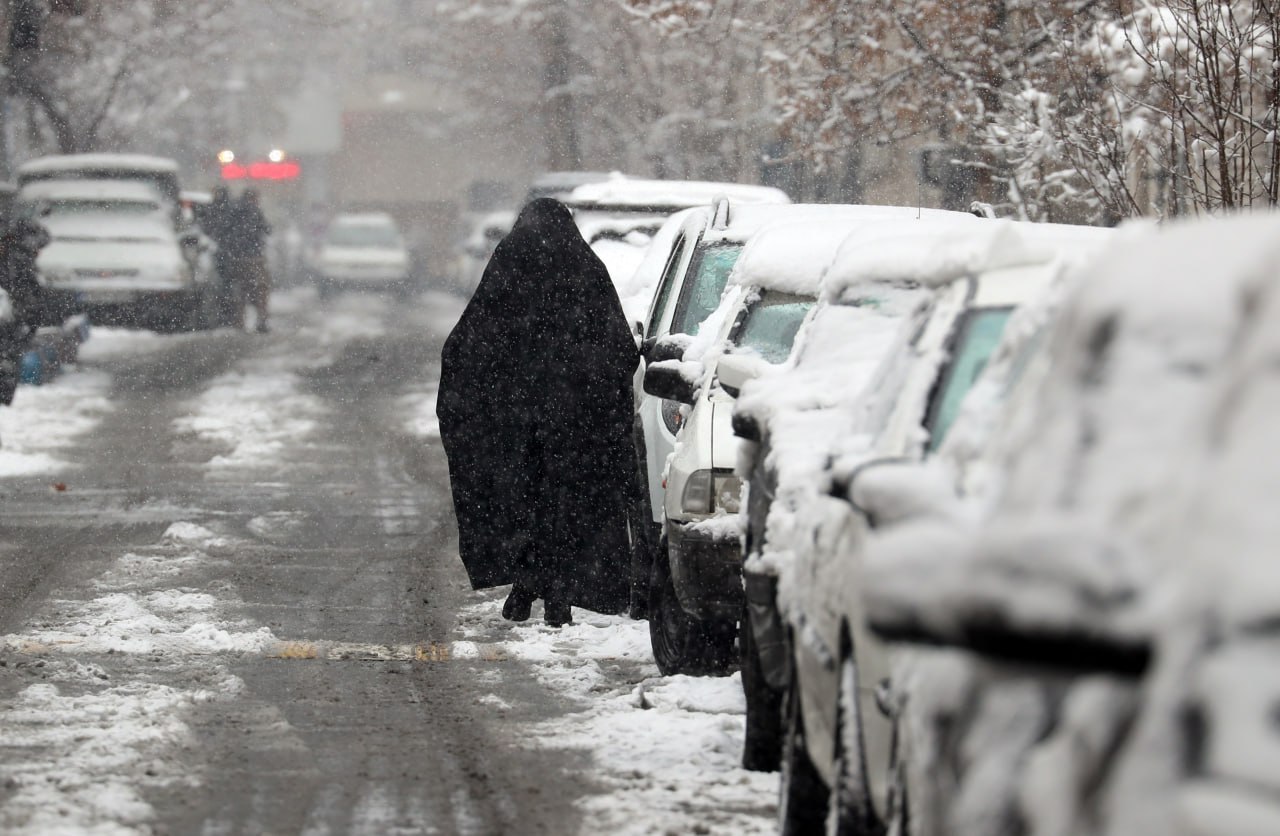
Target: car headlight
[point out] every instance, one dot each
(710, 490)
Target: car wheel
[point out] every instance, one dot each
(803, 798)
(682, 643)
(852, 812)
(762, 744)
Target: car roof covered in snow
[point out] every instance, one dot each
(363, 219)
(935, 252)
(103, 162)
(122, 190)
(666, 196)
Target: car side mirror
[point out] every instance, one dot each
(671, 380)
(896, 490)
(734, 370)
(746, 426)
(666, 347)
(1057, 596)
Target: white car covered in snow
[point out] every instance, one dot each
(362, 251)
(681, 283)
(837, 753)
(1114, 590)
(114, 254)
(160, 173)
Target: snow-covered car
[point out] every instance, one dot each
(362, 251)
(681, 282)
(1115, 595)
(836, 740)
(695, 588)
(486, 232)
(113, 253)
(160, 173)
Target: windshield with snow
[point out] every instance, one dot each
(771, 324)
(708, 273)
(976, 339)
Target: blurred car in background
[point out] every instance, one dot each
(485, 234)
(362, 251)
(560, 184)
(159, 173)
(114, 254)
(620, 215)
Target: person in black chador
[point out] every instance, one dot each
(535, 412)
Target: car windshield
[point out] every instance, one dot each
(363, 235)
(977, 338)
(100, 206)
(708, 274)
(771, 324)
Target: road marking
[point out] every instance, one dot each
(324, 651)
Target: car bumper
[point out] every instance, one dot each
(706, 572)
(111, 306)
(766, 627)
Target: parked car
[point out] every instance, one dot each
(1114, 595)
(919, 361)
(683, 278)
(114, 254)
(160, 173)
(478, 247)
(695, 589)
(362, 251)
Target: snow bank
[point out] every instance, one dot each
(46, 419)
(666, 748)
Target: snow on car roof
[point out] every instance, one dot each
(792, 255)
(131, 190)
(628, 192)
(105, 162)
(363, 219)
(934, 251)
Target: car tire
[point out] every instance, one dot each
(682, 643)
(762, 743)
(802, 797)
(852, 812)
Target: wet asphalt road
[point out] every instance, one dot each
(356, 717)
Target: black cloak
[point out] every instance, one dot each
(535, 410)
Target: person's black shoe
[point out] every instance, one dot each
(517, 607)
(557, 614)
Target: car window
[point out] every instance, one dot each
(363, 235)
(104, 206)
(708, 273)
(665, 286)
(977, 337)
(770, 325)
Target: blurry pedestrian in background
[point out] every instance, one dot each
(535, 411)
(247, 245)
(215, 219)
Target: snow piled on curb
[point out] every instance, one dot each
(45, 419)
(668, 749)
